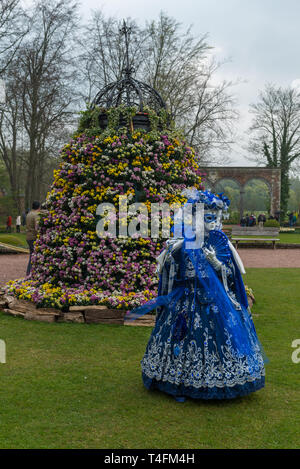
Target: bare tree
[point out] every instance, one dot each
(275, 130)
(45, 78)
(173, 62)
(10, 130)
(103, 56)
(12, 31)
(41, 90)
(208, 122)
(182, 69)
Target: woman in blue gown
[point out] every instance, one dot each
(204, 344)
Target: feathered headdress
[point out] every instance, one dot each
(211, 201)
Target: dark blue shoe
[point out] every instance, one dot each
(179, 398)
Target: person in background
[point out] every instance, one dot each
(24, 218)
(291, 216)
(8, 224)
(294, 219)
(32, 219)
(261, 220)
(18, 223)
(243, 221)
(252, 220)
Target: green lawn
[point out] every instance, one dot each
(290, 238)
(16, 239)
(19, 239)
(79, 386)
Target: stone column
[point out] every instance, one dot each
(275, 193)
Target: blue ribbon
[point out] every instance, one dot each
(163, 300)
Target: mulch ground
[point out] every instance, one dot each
(13, 266)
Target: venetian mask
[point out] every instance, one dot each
(212, 220)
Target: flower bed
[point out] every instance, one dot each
(71, 265)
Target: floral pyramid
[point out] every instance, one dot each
(71, 265)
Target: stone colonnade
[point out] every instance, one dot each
(243, 174)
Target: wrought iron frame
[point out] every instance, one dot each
(128, 90)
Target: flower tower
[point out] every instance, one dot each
(125, 146)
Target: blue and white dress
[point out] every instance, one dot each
(204, 344)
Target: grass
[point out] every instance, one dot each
(19, 239)
(16, 239)
(79, 386)
(290, 238)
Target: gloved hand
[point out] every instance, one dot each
(172, 244)
(212, 258)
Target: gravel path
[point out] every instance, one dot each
(13, 266)
(270, 257)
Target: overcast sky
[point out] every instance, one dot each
(261, 38)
